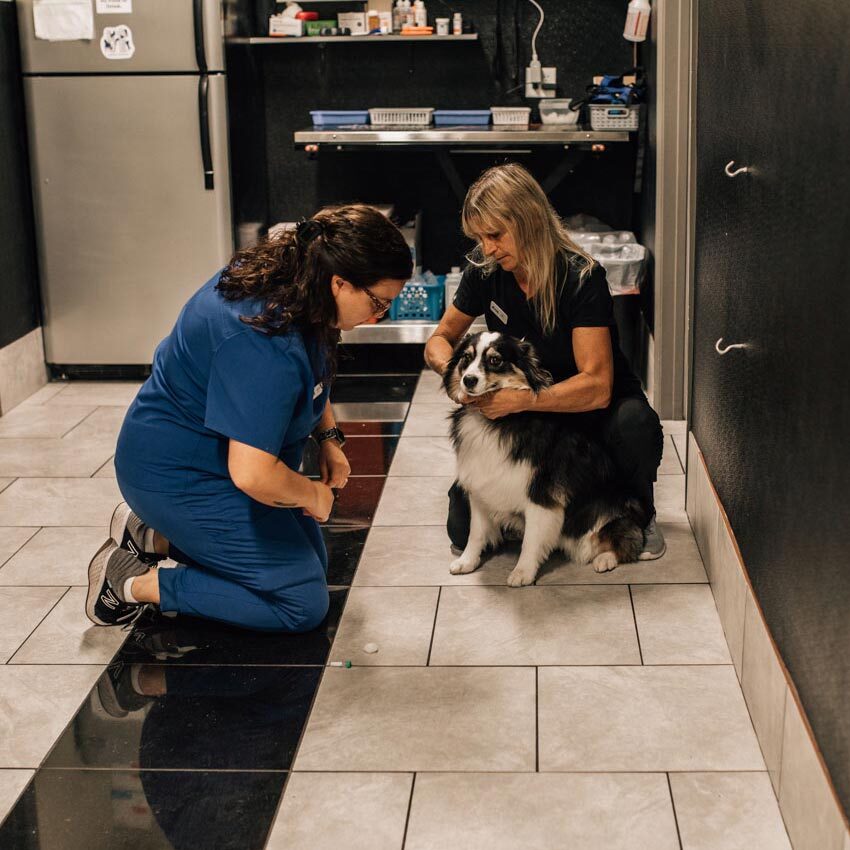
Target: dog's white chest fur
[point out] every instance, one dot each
(484, 467)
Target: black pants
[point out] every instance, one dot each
(631, 432)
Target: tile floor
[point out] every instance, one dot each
(588, 711)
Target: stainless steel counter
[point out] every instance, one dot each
(389, 331)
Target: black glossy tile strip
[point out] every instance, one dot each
(155, 810)
(367, 456)
(185, 741)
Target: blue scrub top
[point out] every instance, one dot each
(214, 378)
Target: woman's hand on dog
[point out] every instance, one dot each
(501, 403)
(333, 465)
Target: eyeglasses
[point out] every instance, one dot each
(379, 305)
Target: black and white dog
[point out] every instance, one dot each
(541, 474)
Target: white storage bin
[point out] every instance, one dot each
(401, 117)
(557, 111)
(513, 115)
(614, 116)
(588, 239)
(623, 263)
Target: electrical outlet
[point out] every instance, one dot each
(549, 82)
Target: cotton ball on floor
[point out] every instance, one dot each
(370, 648)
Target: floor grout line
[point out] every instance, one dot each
(35, 629)
(637, 633)
(433, 629)
(409, 809)
(537, 719)
(673, 806)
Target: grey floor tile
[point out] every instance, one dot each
(39, 458)
(332, 811)
(46, 393)
(102, 426)
(55, 556)
(11, 540)
(430, 390)
(674, 426)
(107, 470)
(428, 420)
(21, 610)
(680, 564)
(808, 805)
(58, 501)
(5, 482)
(680, 442)
(38, 421)
(535, 812)
(98, 393)
(399, 620)
(423, 456)
(66, 636)
(534, 625)
(644, 718)
(670, 460)
(404, 555)
(410, 501)
(678, 624)
(421, 718)
(12, 783)
(36, 703)
(670, 498)
(727, 811)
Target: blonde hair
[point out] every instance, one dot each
(507, 196)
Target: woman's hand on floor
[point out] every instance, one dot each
(323, 502)
(333, 465)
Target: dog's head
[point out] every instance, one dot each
(485, 362)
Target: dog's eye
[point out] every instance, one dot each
(494, 361)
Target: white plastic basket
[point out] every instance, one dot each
(614, 116)
(401, 117)
(516, 115)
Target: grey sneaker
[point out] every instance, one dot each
(128, 531)
(108, 570)
(654, 545)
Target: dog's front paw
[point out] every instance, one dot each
(604, 561)
(521, 576)
(461, 565)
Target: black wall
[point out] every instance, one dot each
(773, 270)
(19, 305)
(273, 88)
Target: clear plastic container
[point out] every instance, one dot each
(557, 111)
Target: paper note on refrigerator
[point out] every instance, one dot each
(63, 20)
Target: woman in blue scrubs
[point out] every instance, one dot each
(208, 454)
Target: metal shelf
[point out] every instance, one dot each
(389, 331)
(372, 39)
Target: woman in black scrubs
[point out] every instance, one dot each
(531, 281)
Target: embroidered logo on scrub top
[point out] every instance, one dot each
(495, 308)
(317, 390)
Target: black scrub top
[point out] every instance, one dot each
(581, 304)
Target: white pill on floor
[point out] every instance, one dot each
(370, 648)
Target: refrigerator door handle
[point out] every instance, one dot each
(204, 122)
(200, 44)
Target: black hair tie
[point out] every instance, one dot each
(307, 231)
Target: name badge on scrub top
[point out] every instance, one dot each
(495, 308)
(317, 390)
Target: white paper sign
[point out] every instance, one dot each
(117, 42)
(63, 20)
(114, 7)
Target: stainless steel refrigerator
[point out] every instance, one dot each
(130, 173)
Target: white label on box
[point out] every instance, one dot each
(355, 21)
(117, 42)
(114, 7)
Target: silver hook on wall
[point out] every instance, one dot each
(720, 350)
(742, 170)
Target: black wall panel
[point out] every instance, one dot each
(19, 310)
(773, 271)
(581, 38)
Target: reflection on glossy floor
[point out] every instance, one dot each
(589, 711)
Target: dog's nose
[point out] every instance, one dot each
(469, 381)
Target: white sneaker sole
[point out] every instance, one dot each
(652, 556)
(97, 575)
(118, 523)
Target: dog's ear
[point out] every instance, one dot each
(535, 374)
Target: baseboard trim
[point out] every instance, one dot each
(807, 798)
(22, 369)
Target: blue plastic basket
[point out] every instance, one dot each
(419, 300)
(339, 117)
(461, 117)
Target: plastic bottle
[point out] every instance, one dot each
(457, 24)
(637, 20)
(420, 14)
(451, 284)
(399, 18)
(406, 14)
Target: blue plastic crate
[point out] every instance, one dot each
(461, 117)
(338, 117)
(419, 300)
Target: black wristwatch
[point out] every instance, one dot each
(331, 434)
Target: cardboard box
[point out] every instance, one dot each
(315, 27)
(355, 21)
(281, 25)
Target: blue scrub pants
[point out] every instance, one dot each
(267, 574)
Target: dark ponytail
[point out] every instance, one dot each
(292, 273)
